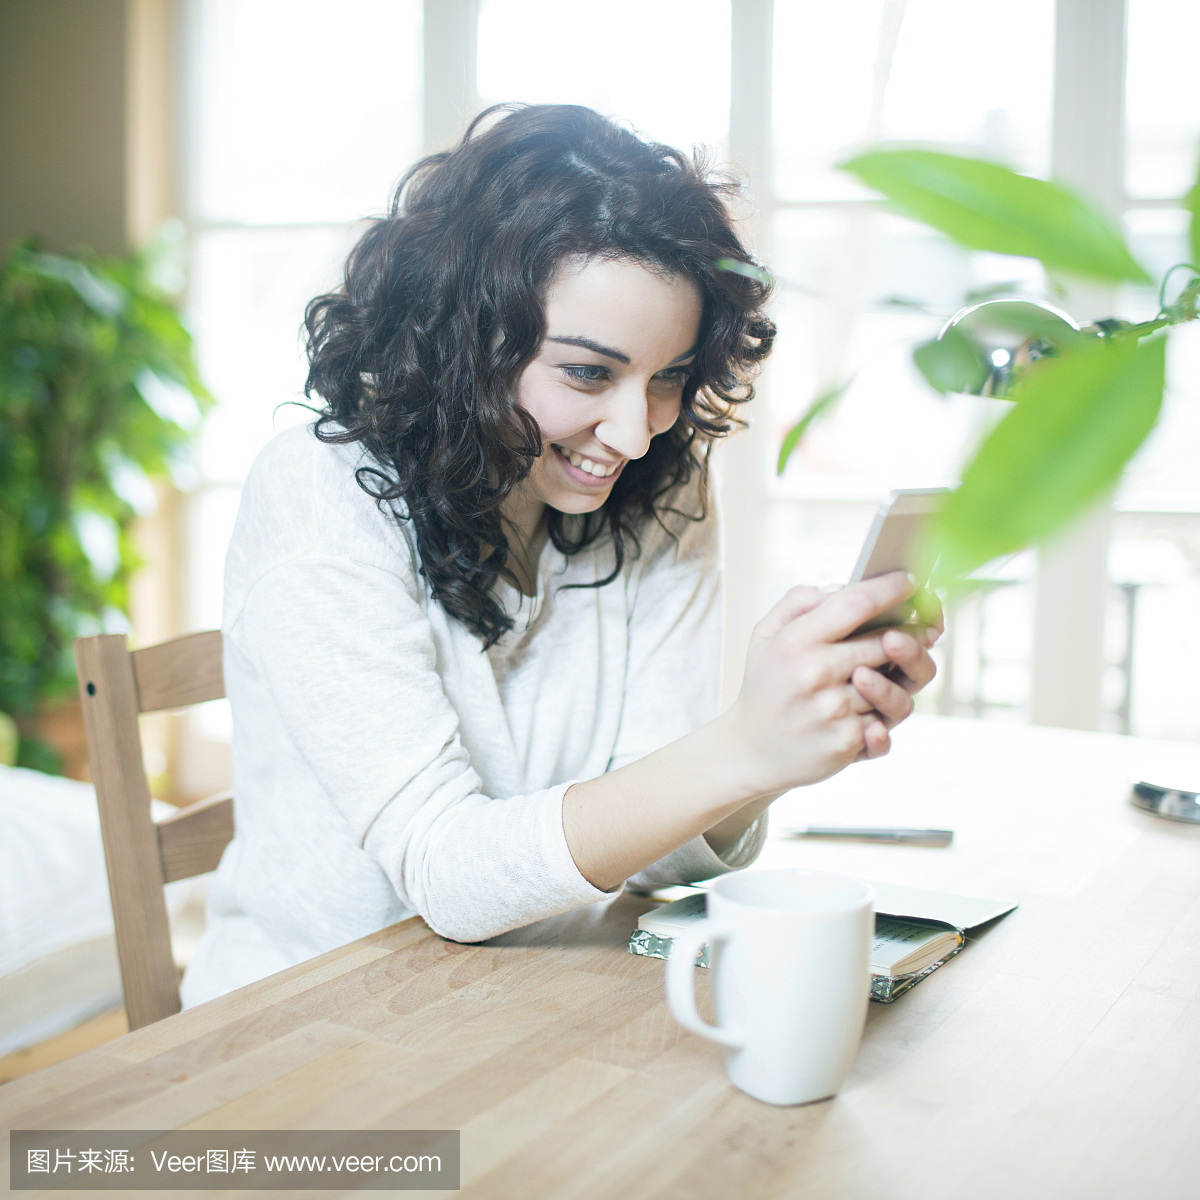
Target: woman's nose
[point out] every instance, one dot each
(626, 427)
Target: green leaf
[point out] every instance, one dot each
(988, 207)
(952, 363)
(99, 294)
(1192, 200)
(821, 405)
(993, 291)
(737, 267)
(9, 741)
(1079, 421)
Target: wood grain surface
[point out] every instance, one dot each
(1057, 1057)
(186, 670)
(191, 841)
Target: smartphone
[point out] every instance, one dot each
(893, 544)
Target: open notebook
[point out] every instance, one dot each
(916, 931)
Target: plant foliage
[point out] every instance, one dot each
(1193, 203)
(952, 363)
(818, 408)
(1077, 421)
(98, 391)
(1084, 403)
(985, 206)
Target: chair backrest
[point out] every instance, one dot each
(115, 685)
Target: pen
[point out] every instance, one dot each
(908, 837)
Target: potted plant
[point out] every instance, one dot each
(99, 393)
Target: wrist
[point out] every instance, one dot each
(730, 762)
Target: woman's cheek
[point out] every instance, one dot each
(535, 394)
(560, 411)
(665, 415)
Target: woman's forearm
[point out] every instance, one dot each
(621, 822)
(722, 836)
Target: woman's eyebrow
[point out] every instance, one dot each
(608, 352)
(595, 347)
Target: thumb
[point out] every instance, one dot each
(795, 603)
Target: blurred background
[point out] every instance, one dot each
(194, 171)
(256, 137)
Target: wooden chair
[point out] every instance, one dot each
(116, 685)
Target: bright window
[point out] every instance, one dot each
(301, 117)
(1162, 113)
(661, 67)
(930, 70)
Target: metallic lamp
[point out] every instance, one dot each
(1003, 336)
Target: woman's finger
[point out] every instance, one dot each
(795, 603)
(842, 612)
(876, 741)
(892, 702)
(820, 667)
(913, 660)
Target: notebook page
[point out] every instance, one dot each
(896, 940)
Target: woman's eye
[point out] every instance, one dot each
(588, 374)
(674, 375)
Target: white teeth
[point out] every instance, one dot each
(585, 464)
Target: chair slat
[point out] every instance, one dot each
(180, 672)
(114, 686)
(192, 840)
(109, 696)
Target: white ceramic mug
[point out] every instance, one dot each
(790, 968)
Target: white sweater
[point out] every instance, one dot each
(383, 764)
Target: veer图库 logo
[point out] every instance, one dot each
(227, 1159)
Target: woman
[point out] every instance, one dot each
(472, 626)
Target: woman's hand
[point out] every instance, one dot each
(910, 668)
(812, 702)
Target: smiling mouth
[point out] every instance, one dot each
(587, 466)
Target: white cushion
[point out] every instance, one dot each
(53, 888)
(58, 962)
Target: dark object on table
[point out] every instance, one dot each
(907, 837)
(1172, 803)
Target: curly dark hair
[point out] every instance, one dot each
(417, 354)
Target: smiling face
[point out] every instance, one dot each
(620, 340)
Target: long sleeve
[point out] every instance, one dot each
(348, 657)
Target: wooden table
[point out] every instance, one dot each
(1057, 1057)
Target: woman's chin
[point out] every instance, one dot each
(575, 502)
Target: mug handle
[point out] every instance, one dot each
(681, 981)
